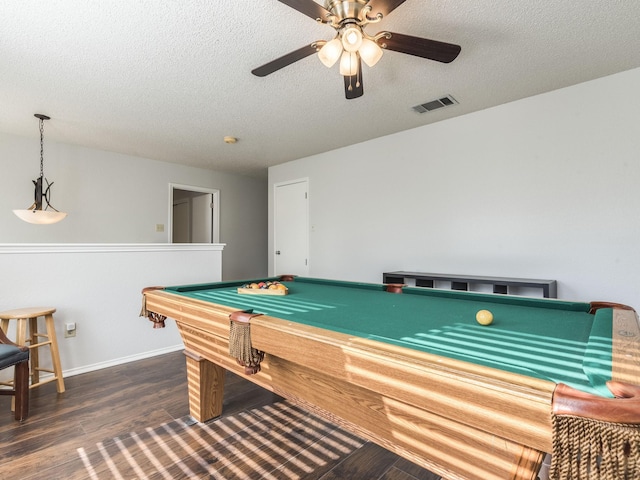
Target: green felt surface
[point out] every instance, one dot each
(549, 339)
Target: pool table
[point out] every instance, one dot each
(412, 370)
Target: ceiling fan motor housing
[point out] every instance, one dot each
(344, 10)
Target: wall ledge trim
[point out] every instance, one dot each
(34, 248)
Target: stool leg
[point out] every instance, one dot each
(21, 331)
(55, 353)
(33, 339)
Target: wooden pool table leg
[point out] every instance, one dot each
(206, 387)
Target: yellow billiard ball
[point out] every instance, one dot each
(484, 317)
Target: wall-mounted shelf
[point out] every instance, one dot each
(461, 282)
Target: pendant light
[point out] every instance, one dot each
(36, 213)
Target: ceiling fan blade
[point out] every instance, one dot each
(285, 60)
(420, 47)
(353, 84)
(309, 8)
(383, 7)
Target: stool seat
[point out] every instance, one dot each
(28, 317)
(30, 312)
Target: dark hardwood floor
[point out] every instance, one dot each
(104, 404)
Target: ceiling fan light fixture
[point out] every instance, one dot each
(370, 52)
(349, 19)
(351, 38)
(330, 52)
(348, 64)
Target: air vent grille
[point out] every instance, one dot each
(435, 104)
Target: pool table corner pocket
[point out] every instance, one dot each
(240, 346)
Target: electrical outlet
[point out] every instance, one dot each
(159, 227)
(69, 330)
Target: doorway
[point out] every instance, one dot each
(194, 214)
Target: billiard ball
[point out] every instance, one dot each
(484, 317)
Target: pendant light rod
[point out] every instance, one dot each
(42, 119)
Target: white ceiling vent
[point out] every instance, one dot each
(435, 104)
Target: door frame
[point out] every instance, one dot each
(215, 219)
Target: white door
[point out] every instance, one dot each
(181, 221)
(202, 213)
(291, 228)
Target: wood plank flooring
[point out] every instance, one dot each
(131, 397)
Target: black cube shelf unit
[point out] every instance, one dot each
(461, 282)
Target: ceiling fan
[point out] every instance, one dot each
(352, 44)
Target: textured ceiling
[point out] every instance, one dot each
(168, 79)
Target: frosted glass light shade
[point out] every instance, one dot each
(370, 52)
(351, 39)
(330, 52)
(348, 64)
(40, 217)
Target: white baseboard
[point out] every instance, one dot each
(120, 361)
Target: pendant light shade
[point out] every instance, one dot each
(40, 217)
(36, 213)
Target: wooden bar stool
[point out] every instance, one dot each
(29, 317)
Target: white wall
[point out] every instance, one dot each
(546, 187)
(114, 198)
(98, 287)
